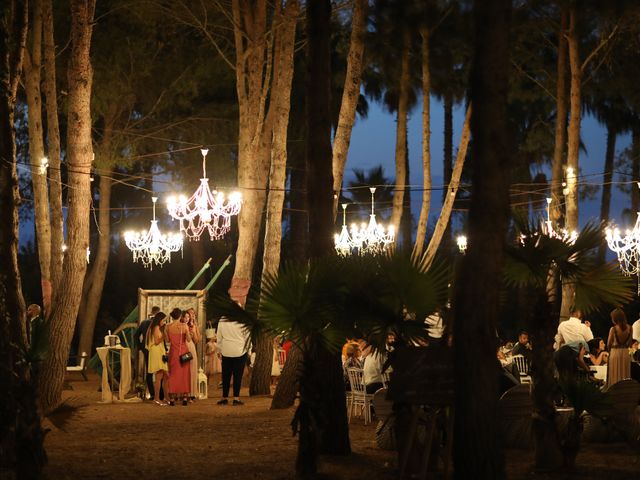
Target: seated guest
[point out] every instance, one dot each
(350, 341)
(352, 361)
(509, 367)
(569, 359)
(523, 346)
(373, 372)
(597, 354)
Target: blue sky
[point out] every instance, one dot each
(373, 143)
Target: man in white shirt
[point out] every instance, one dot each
(372, 372)
(233, 344)
(573, 330)
(635, 332)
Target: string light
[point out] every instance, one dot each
(461, 240)
(205, 209)
(152, 247)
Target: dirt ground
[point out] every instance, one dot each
(89, 440)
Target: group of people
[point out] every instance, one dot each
(170, 354)
(356, 353)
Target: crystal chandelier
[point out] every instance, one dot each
(343, 242)
(627, 248)
(461, 241)
(371, 238)
(152, 247)
(205, 209)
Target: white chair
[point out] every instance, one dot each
(386, 378)
(360, 399)
(81, 367)
(523, 367)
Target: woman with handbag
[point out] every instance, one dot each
(189, 318)
(154, 342)
(179, 359)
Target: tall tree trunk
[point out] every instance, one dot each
(319, 155)
(573, 150)
(20, 430)
(406, 221)
(285, 394)
(452, 190)
(561, 120)
(448, 152)
(350, 96)
(99, 267)
(605, 205)
(423, 221)
(80, 157)
(401, 133)
(635, 172)
(32, 70)
(477, 451)
(53, 144)
(281, 106)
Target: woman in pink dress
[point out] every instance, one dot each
(179, 373)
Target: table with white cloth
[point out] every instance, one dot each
(107, 358)
(600, 371)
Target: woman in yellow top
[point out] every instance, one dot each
(157, 352)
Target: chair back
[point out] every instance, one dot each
(356, 380)
(386, 378)
(625, 396)
(521, 363)
(282, 357)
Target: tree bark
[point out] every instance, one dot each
(401, 133)
(32, 71)
(452, 190)
(477, 452)
(426, 145)
(53, 144)
(573, 150)
(318, 100)
(561, 120)
(605, 204)
(350, 95)
(100, 264)
(285, 394)
(80, 157)
(284, 34)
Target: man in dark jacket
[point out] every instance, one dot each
(140, 339)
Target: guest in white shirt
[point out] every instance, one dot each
(573, 330)
(233, 345)
(635, 332)
(372, 376)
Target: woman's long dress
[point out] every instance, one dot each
(193, 375)
(179, 374)
(212, 365)
(619, 366)
(156, 352)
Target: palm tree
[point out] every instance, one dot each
(536, 264)
(320, 304)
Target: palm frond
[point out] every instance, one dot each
(602, 285)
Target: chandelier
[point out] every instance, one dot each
(152, 247)
(562, 235)
(627, 248)
(342, 241)
(461, 241)
(371, 238)
(205, 209)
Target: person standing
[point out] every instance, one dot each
(140, 340)
(618, 344)
(33, 317)
(189, 318)
(177, 333)
(573, 330)
(156, 353)
(233, 342)
(636, 330)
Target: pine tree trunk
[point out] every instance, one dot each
(605, 205)
(281, 106)
(32, 71)
(561, 120)
(350, 95)
(452, 190)
(287, 388)
(573, 151)
(99, 268)
(477, 452)
(319, 155)
(423, 221)
(53, 144)
(401, 133)
(80, 157)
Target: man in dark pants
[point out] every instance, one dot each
(141, 342)
(233, 342)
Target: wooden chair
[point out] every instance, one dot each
(360, 400)
(515, 407)
(81, 365)
(523, 367)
